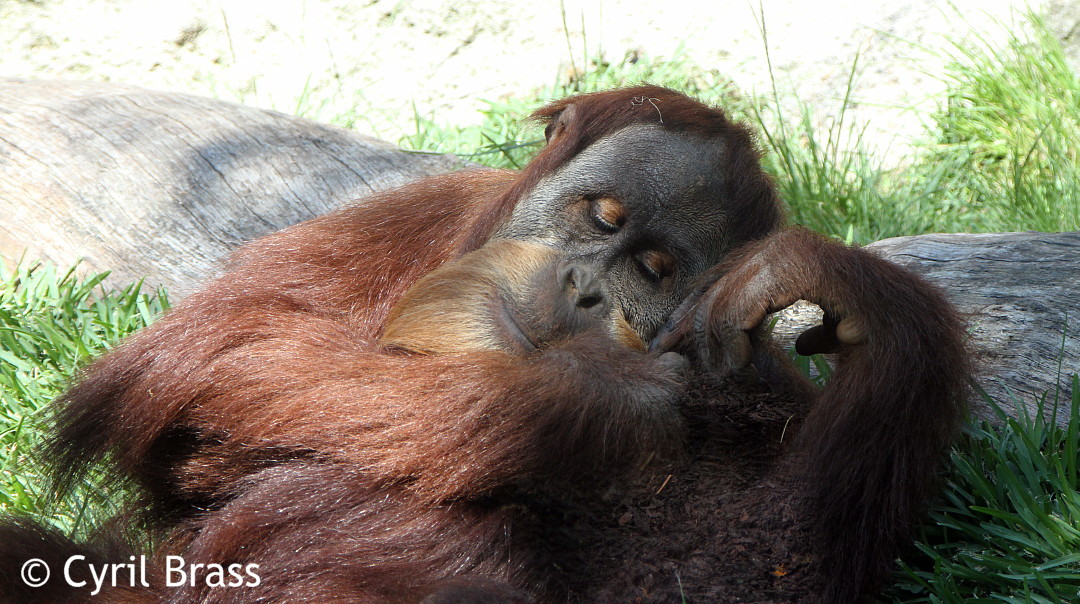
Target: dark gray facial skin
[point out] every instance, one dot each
(670, 188)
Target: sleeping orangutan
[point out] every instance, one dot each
(284, 381)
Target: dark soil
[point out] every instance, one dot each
(722, 526)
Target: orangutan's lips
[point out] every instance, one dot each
(511, 328)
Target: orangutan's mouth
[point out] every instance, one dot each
(511, 329)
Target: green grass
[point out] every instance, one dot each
(50, 324)
(1000, 155)
(1007, 527)
(1011, 123)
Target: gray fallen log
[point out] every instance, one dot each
(162, 185)
(1020, 293)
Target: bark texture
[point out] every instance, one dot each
(162, 185)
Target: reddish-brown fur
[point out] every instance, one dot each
(267, 400)
(870, 447)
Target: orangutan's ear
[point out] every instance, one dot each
(558, 124)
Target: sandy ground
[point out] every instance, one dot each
(385, 58)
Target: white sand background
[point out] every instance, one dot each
(385, 58)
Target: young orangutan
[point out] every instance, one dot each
(518, 301)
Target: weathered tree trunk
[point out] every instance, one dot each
(163, 185)
(1021, 295)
